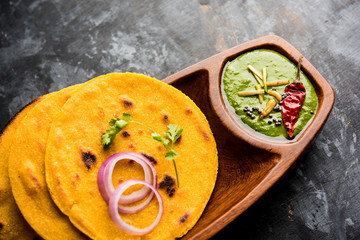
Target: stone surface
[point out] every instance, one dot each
(47, 45)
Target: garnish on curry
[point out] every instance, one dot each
(264, 90)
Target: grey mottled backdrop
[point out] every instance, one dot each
(46, 45)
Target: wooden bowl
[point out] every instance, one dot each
(249, 164)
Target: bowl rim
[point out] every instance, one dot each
(288, 152)
(324, 91)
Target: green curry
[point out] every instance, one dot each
(237, 77)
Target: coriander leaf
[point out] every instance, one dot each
(108, 137)
(170, 155)
(112, 121)
(173, 133)
(178, 134)
(156, 137)
(127, 117)
(106, 140)
(117, 125)
(159, 138)
(121, 123)
(165, 142)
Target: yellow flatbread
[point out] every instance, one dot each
(74, 155)
(27, 170)
(12, 223)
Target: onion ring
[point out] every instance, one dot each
(104, 180)
(115, 216)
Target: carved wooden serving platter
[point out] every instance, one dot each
(249, 164)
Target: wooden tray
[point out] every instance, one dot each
(249, 165)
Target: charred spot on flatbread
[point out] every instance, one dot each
(128, 103)
(88, 158)
(165, 118)
(168, 184)
(204, 133)
(125, 134)
(1, 226)
(151, 158)
(184, 218)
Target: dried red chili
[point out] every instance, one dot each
(291, 105)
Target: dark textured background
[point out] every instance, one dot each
(46, 45)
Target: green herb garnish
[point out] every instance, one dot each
(170, 137)
(117, 125)
(173, 133)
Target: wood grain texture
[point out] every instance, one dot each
(249, 164)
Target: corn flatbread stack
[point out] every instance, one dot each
(27, 170)
(75, 153)
(12, 223)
